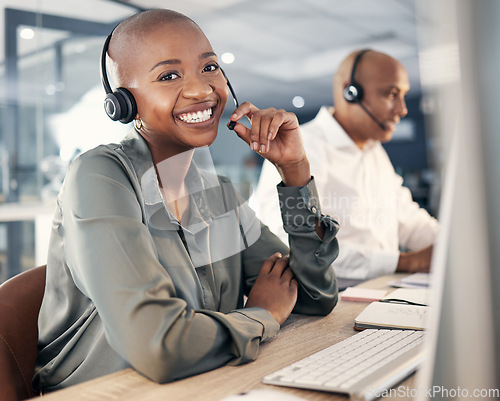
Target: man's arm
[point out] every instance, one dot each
(416, 261)
(417, 232)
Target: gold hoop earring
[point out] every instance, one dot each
(138, 124)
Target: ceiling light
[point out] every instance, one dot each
(227, 58)
(298, 102)
(50, 90)
(27, 33)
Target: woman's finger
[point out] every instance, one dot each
(269, 263)
(280, 265)
(267, 118)
(255, 121)
(245, 109)
(276, 124)
(287, 274)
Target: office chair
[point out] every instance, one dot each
(20, 301)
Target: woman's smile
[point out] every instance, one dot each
(196, 117)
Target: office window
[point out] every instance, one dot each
(50, 109)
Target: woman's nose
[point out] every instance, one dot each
(196, 87)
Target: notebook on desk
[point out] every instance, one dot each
(380, 315)
(404, 308)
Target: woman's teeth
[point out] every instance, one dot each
(196, 117)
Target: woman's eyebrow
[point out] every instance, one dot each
(165, 62)
(177, 61)
(208, 55)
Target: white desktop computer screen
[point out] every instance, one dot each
(460, 62)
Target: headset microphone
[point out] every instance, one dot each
(231, 124)
(379, 123)
(353, 93)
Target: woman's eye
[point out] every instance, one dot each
(169, 76)
(210, 68)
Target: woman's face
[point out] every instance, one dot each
(179, 88)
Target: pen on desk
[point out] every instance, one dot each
(401, 301)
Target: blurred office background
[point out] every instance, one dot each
(279, 53)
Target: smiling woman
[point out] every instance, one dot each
(153, 251)
(180, 90)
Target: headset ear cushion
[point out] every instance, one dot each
(130, 110)
(353, 93)
(120, 105)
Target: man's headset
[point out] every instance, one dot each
(353, 93)
(120, 104)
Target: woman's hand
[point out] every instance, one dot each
(275, 288)
(275, 134)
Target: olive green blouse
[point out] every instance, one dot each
(128, 286)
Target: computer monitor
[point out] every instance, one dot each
(460, 56)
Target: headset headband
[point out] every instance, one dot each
(355, 63)
(104, 75)
(120, 104)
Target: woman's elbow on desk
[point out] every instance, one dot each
(174, 365)
(194, 343)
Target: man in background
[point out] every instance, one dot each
(356, 181)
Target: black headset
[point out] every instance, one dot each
(120, 104)
(353, 92)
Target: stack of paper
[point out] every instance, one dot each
(415, 280)
(357, 294)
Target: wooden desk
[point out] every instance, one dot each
(299, 337)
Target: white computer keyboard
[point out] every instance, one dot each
(363, 365)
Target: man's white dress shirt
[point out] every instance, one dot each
(360, 189)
